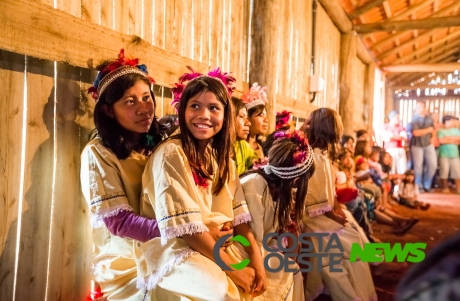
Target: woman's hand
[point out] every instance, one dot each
(244, 278)
(217, 233)
(260, 283)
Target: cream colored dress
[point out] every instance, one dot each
(111, 185)
(355, 281)
(170, 268)
(280, 285)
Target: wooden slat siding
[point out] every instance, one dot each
(197, 15)
(159, 24)
(38, 183)
(136, 18)
(149, 15)
(91, 11)
(107, 13)
(298, 107)
(76, 42)
(304, 65)
(224, 20)
(169, 25)
(122, 16)
(187, 29)
(245, 45)
(205, 32)
(359, 86)
(72, 7)
(69, 223)
(11, 102)
(235, 37)
(216, 53)
(47, 2)
(178, 29)
(327, 54)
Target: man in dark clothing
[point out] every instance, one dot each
(423, 154)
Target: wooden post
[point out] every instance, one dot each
(369, 96)
(265, 32)
(389, 100)
(347, 102)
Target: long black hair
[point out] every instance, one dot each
(120, 140)
(281, 154)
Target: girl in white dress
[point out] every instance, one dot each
(192, 184)
(275, 210)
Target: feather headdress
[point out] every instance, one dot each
(256, 96)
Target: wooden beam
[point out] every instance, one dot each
(337, 14)
(366, 7)
(422, 50)
(440, 13)
(424, 86)
(348, 45)
(363, 53)
(43, 32)
(428, 23)
(447, 67)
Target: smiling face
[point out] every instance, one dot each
(204, 116)
(242, 124)
(259, 123)
(135, 109)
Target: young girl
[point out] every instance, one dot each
(408, 192)
(192, 184)
(111, 169)
(275, 210)
(324, 214)
(255, 101)
(244, 154)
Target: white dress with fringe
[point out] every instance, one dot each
(168, 267)
(355, 280)
(111, 185)
(281, 286)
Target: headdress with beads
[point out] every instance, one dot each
(283, 120)
(225, 78)
(302, 157)
(256, 96)
(115, 69)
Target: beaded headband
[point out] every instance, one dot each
(224, 77)
(303, 157)
(256, 96)
(115, 69)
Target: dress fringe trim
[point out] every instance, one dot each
(97, 218)
(180, 230)
(242, 218)
(151, 282)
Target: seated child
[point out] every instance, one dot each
(408, 192)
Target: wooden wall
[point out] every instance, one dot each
(359, 86)
(45, 243)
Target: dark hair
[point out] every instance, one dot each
(281, 154)
(120, 140)
(386, 168)
(256, 111)
(360, 133)
(238, 105)
(325, 130)
(376, 149)
(359, 148)
(222, 142)
(408, 172)
(345, 139)
(171, 122)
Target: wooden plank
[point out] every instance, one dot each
(347, 69)
(136, 18)
(33, 256)
(363, 53)
(428, 23)
(69, 223)
(216, 33)
(91, 11)
(424, 86)
(70, 7)
(236, 28)
(178, 27)
(365, 8)
(187, 29)
(337, 14)
(148, 26)
(446, 67)
(107, 14)
(369, 97)
(226, 33)
(121, 8)
(197, 30)
(76, 44)
(159, 25)
(206, 30)
(11, 101)
(169, 26)
(300, 107)
(244, 46)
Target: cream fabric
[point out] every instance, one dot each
(169, 267)
(355, 281)
(111, 185)
(280, 285)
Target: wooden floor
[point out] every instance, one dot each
(436, 224)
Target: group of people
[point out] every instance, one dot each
(431, 144)
(162, 192)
